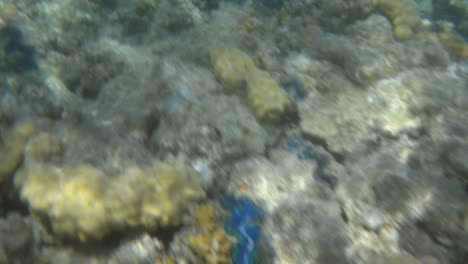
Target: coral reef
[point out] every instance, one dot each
(216, 124)
(178, 15)
(85, 75)
(369, 53)
(350, 108)
(388, 96)
(266, 178)
(398, 197)
(139, 108)
(408, 25)
(310, 225)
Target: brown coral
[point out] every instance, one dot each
(457, 47)
(212, 244)
(236, 70)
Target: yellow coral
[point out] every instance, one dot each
(12, 149)
(266, 97)
(206, 217)
(403, 14)
(71, 197)
(82, 210)
(235, 69)
(83, 202)
(457, 47)
(211, 244)
(406, 22)
(231, 66)
(213, 248)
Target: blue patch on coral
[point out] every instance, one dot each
(244, 225)
(307, 152)
(295, 88)
(293, 144)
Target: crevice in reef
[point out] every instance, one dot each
(323, 143)
(10, 200)
(166, 234)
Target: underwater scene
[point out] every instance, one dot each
(233, 132)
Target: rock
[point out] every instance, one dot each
(16, 239)
(303, 229)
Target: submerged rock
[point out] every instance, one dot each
(16, 239)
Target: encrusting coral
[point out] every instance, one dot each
(83, 202)
(455, 44)
(268, 100)
(407, 24)
(231, 66)
(211, 244)
(236, 70)
(403, 14)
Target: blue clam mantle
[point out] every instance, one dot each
(307, 152)
(244, 225)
